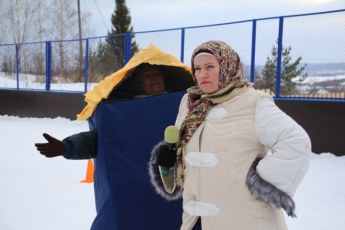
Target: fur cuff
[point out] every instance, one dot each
(267, 192)
(155, 177)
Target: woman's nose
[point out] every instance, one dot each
(203, 73)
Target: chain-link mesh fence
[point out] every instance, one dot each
(300, 56)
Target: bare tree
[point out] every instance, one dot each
(63, 20)
(39, 53)
(19, 15)
(26, 21)
(63, 26)
(2, 34)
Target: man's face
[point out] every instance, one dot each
(152, 81)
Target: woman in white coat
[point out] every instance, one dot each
(221, 166)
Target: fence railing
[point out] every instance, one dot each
(295, 57)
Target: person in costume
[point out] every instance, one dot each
(221, 165)
(123, 112)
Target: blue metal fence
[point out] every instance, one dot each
(316, 38)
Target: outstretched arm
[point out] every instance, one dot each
(78, 146)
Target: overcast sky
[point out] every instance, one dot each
(160, 14)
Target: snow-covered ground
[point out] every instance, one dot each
(28, 81)
(37, 193)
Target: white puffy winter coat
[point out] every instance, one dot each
(220, 153)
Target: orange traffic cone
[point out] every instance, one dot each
(89, 172)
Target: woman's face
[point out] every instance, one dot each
(206, 71)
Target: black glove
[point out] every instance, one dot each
(166, 157)
(53, 148)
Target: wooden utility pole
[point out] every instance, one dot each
(80, 41)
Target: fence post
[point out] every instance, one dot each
(48, 64)
(86, 64)
(128, 44)
(252, 64)
(17, 65)
(182, 44)
(279, 55)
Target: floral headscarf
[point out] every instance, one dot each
(200, 103)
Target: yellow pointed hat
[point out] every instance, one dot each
(151, 55)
